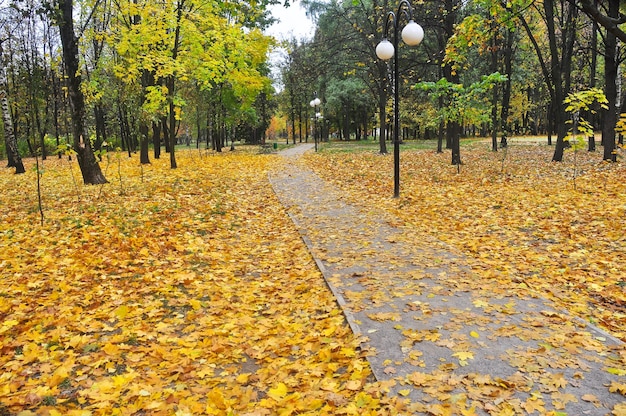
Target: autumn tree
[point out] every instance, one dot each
(610, 78)
(90, 169)
(556, 63)
(99, 84)
(173, 51)
(463, 103)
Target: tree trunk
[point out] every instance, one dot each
(494, 96)
(89, 167)
(453, 128)
(610, 77)
(9, 136)
(506, 93)
(560, 70)
(147, 80)
(171, 87)
(383, 69)
(156, 139)
(101, 131)
(592, 79)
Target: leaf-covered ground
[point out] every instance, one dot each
(183, 292)
(525, 221)
(189, 291)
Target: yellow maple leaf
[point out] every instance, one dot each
(243, 378)
(464, 355)
(111, 349)
(618, 387)
(121, 311)
(8, 324)
(195, 304)
(534, 404)
(353, 385)
(279, 392)
(384, 316)
(216, 399)
(619, 409)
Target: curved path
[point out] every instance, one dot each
(447, 344)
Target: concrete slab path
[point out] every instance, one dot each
(433, 333)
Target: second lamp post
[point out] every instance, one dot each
(314, 103)
(412, 35)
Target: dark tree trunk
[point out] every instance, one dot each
(506, 92)
(89, 167)
(156, 139)
(300, 124)
(382, 107)
(101, 131)
(147, 80)
(346, 124)
(610, 77)
(560, 69)
(592, 79)
(171, 87)
(165, 134)
(453, 128)
(494, 97)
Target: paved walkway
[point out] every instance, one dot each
(450, 344)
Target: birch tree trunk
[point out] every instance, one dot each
(9, 137)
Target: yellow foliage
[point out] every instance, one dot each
(176, 297)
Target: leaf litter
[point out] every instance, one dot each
(191, 292)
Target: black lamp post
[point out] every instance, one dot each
(314, 103)
(412, 35)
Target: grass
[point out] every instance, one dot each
(372, 145)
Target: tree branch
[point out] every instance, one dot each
(609, 23)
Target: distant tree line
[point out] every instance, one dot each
(133, 75)
(544, 50)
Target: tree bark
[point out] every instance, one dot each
(171, 87)
(453, 128)
(89, 167)
(9, 135)
(494, 96)
(592, 78)
(610, 77)
(506, 92)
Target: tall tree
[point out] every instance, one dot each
(610, 89)
(453, 127)
(170, 51)
(89, 167)
(559, 18)
(9, 137)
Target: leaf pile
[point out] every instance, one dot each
(527, 224)
(184, 291)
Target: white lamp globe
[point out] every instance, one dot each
(385, 50)
(412, 34)
(312, 103)
(316, 102)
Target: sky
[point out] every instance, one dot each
(292, 22)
